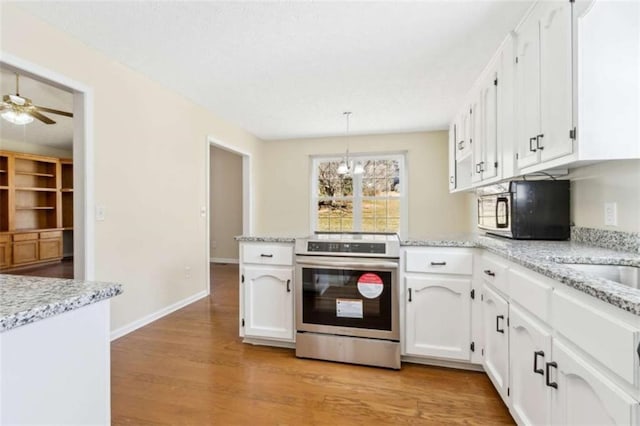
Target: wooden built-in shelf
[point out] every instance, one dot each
(67, 228)
(4, 187)
(3, 171)
(35, 208)
(49, 175)
(24, 188)
(66, 190)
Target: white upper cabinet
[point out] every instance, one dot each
(568, 94)
(544, 89)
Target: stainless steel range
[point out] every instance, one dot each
(347, 298)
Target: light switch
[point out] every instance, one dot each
(611, 214)
(101, 212)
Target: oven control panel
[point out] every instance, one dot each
(345, 247)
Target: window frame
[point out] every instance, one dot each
(357, 199)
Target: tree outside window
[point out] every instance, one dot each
(368, 202)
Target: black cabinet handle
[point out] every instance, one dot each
(550, 383)
(481, 164)
(288, 286)
(535, 362)
(538, 141)
(461, 145)
(266, 255)
(498, 329)
(478, 168)
(489, 272)
(450, 179)
(438, 263)
(409, 295)
(531, 148)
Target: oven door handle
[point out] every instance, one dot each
(359, 265)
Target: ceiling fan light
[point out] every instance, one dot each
(19, 118)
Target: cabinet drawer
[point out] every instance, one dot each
(439, 261)
(494, 272)
(5, 238)
(605, 338)
(25, 237)
(51, 234)
(267, 254)
(531, 293)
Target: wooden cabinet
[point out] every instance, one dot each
(33, 208)
(495, 315)
(266, 292)
(438, 317)
(529, 350)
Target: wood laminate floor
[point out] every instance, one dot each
(191, 368)
(62, 269)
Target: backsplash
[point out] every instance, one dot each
(615, 240)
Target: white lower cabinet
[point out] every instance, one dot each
(495, 312)
(268, 302)
(529, 350)
(581, 395)
(438, 317)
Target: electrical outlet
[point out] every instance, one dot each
(611, 214)
(101, 212)
(187, 271)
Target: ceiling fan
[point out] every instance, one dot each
(20, 110)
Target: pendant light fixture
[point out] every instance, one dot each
(346, 167)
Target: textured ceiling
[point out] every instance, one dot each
(59, 135)
(289, 69)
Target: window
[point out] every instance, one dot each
(373, 201)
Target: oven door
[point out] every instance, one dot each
(347, 296)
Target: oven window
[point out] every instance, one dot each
(347, 298)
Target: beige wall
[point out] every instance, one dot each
(284, 199)
(612, 181)
(31, 148)
(150, 169)
(226, 203)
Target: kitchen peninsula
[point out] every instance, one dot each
(54, 350)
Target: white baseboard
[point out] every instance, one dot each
(223, 260)
(116, 334)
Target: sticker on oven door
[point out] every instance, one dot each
(349, 308)
(370, 285)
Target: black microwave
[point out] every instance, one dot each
(527, 210)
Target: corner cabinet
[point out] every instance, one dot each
(266, 292)
(438, 304)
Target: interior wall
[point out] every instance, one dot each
(31, 148)
(612, 181)
(226, 204)
(286, 172)
(149, 167)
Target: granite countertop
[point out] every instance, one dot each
(548, 258)
(265, 239)
(24, 299)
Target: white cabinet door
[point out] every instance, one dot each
(438, 317)
(489, 110)
(268, 299)
(555, 80)
(529, 349)
(452, 156)
(583, 396)
(495, 312)
(527, 79)
(476, 138)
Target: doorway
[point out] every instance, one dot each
(49, 184)
(229, 200)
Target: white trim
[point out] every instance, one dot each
(223, 260)
(148, 319)
(83, 147)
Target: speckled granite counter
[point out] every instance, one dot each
(548, 257)
(265, 239)
(24, 300)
